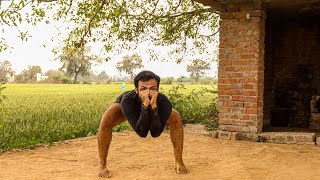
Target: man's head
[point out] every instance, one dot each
(146, 80)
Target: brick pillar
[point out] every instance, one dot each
(241, 70)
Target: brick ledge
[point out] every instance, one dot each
(274, 137)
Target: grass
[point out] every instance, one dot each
(46, 113)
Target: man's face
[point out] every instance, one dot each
(147, 86)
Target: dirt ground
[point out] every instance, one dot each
(132, 157)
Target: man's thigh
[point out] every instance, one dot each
(114, 115)
(174, 117)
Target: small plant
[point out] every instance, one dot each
(2, 97)
(121, 127)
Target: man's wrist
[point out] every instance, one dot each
(154, 107)
(144, 106)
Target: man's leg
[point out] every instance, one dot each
(111, 117)
(176, 135)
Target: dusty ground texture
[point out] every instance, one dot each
(132, 157)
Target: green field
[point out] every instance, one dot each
(46, 113)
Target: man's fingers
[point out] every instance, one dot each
(154, 93)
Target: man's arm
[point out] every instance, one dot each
(138, 117)
(156, 126)
(156, 123)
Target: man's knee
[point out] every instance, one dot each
(156, 133)
(175, 119)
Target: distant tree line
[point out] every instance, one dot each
(76, 66)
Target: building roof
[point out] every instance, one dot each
(276, 6)
(267, 3)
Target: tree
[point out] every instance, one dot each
(91, 77)
(53, 73)
(185, 24)
(55, 76)
(182, 79)
(197, 68)
(78, 62)
(167, 80)
(129, 64)
(28, 75)
(5, 70)
(102, 76)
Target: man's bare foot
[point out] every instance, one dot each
(103, 172)
(181, 169)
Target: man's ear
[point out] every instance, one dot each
(136, 89)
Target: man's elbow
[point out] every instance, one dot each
(142, 133)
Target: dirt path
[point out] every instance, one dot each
(132, 157)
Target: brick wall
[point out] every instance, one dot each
(294, 53)
(241, 70)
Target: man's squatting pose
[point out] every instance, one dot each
(146, 109)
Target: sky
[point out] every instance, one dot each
(44, 37)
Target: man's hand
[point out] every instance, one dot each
(144, 96)
(154, 97)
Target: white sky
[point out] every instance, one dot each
(44, 37)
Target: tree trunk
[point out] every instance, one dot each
(75, 78)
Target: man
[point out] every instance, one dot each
(146, 110)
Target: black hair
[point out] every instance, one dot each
(145, 76)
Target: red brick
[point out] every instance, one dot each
(224, 109)
(220, 98)
(245, 117)
(226, 16)
(237, 98)
(253, 81)
(223, 87)
(221, 115)
(247, 104)
(230, 81)
(253, 93)
(254, 105)
(238, 50)
(252, 50)
(225, 121)
(252, 99)
(230, 104)
(248, 86)
(239, 15)
(229, 92)
(240, 104)
(230, 68)
(250, 111)
(258, 13)
(252, 75)
(234, 116)
(237, 75)
(225, 63)
(253, 118)
(247, 8)
(251, 123)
